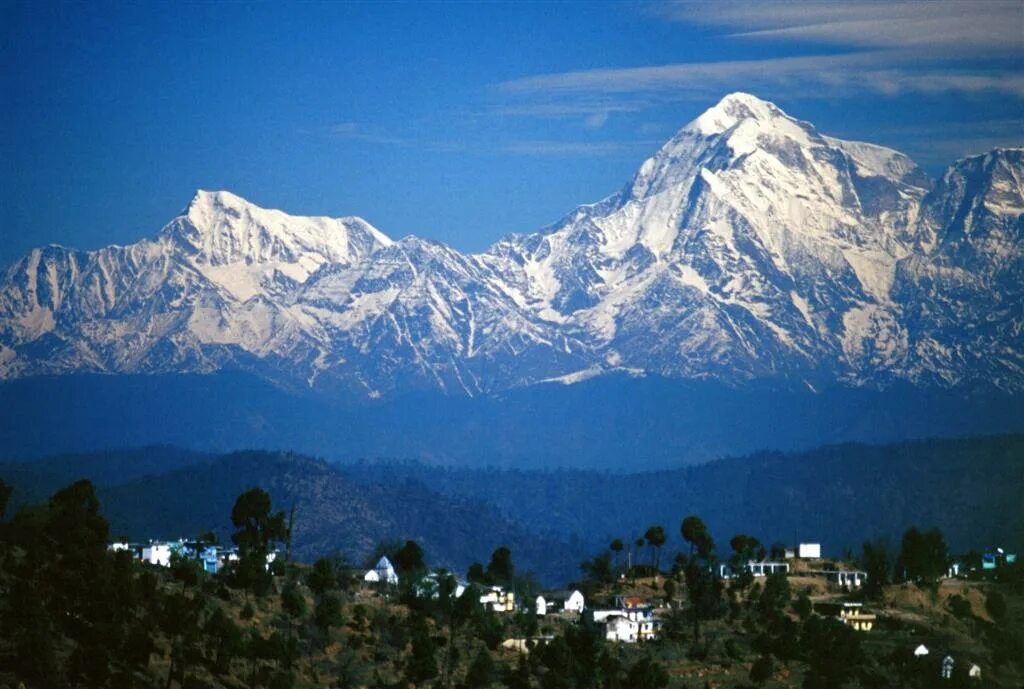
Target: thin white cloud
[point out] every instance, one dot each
(980, 27)
(818, 75)
(596, 120)
(865, 47)
(352, 131)
(574, 148)
(568, 110)
(932, 145)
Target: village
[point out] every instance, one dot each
(197, 613)
(634, 610)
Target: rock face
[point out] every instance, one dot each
(749, 248)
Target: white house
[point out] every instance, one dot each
(556, 601)
(758, 568)
(619, 628)
(947, 667)
(383, 571)
(630, 628)
(766, 567)
(157, 553)
(600, 616)
(853, 579)
(921, 651)
(809, 551)
(635, 614)
(849, 578)
(975, 671)
(430, 586)
(499, 600)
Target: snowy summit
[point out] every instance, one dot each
(749, 247)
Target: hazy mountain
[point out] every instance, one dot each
(750, 247)
(613, 421)
(837, 495)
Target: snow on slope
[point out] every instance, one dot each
(749, 246)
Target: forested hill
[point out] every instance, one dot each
(840, 495)
(332, 513)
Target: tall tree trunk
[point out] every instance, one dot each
(288, 543)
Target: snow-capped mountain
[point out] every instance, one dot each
(749, 247)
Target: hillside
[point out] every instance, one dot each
(81, 615)
(194, 494)
(837, 495)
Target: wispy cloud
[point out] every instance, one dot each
(866, 47)
(821, 75)
(568, 110)
(979, 27)
(352, 131)
(596, 120)
(932, 145)
(576, 148)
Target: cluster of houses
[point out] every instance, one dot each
(495, 598)
(805, 552)
(991, 563)
(212, 557)
(850, 613)
(630, 620)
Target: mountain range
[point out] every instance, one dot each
(749, 249)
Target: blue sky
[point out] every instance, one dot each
(461, 122)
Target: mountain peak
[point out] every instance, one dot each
(732, 109)
(205, 203)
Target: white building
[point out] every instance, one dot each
(499, 600)
(430, 586)
(601, 616)
(630, 628)
(383, 571)
(849, 578)
(809, 551)
(157, 553)
(619, 628)
(921, 651)
(766, 567)
(560, 601)
(635, 614)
